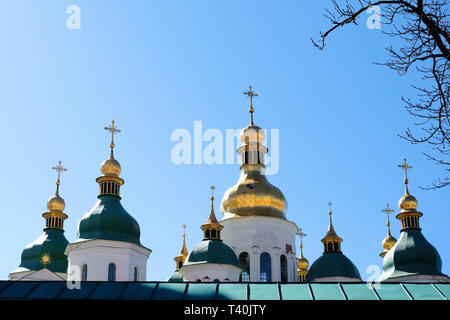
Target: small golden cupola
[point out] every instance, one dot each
(253, 194)
(54, 218)
(211, 228)
(302, 262)
(331, 241)
(408, 216)
(389, 241)
(181, 257)
(110, 181)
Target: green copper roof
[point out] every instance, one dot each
(332, 264)
(51, 242)
(108, 220)
(98, 290)
(212, 251)
(176, 277)
(411, 255)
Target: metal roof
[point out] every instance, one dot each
(98, 290)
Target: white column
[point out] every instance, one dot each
(255, 270)
(276, 268)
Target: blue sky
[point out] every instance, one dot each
(156, 66)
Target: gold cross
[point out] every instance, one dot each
(301, 235)
(388, 211)
(184, 232)
(113, 129)
(405, 166)
(60, 169)
(251, 94)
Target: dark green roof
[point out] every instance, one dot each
(411, 255)
(93, 290)
(51, 242)
(212, 251)
(332, 264)
(108, 220)
(176, 277)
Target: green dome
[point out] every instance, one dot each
(412, 254)
(108, 220)
(332, 264)
(176, 277)
(53, 243)
(212, 251)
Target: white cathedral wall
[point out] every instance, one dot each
(98, 254)
(258, 234)
(214, 271)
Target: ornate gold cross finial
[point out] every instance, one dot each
(388, 211)
(113, 129)
(301, 235)
(59, 168)
(405, 166)
(251, 94)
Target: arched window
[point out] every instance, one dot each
(135, 273)
(330, 246)
(216, 280)
(266, 267)
(111, 272)
(208, 233)
(283, 268)
(213, 233)
(244, 260)
(180, 264)
(84, 273)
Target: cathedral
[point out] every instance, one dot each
(252, 241)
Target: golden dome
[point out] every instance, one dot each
(302, 263)
(253, 195)
(111, 167)
(389, 242)
(407, 202)
(252, 134)
(56, 203)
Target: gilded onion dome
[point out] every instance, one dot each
(253, 194)
(412, 254)
(389, 241)
(108, 219)
(48, 250)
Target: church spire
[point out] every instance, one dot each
(54, 218)
(211, 228)
(389, 241)
(110, 181)
(181, 257)
(331, 241)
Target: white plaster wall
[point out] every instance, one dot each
(258, 234)
(193, 272)
(98, 254)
